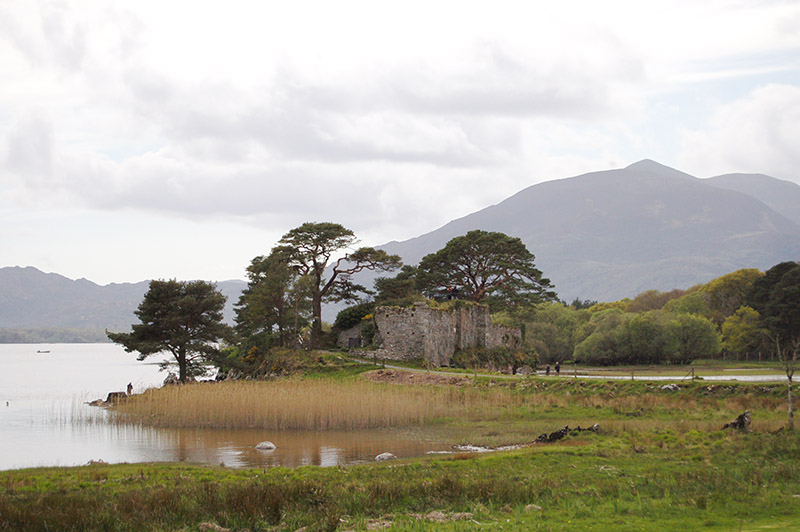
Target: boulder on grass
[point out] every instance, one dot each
(553, 436)
(741, 423)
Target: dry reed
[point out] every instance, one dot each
(304, 404)
(360, 404)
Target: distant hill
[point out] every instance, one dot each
(35, 301)
(613, 234)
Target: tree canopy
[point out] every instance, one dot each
(398, 290)
(309, 250)
(776, 297)
(275, 304)
(183, 318)
(485, 266)
(744, 332)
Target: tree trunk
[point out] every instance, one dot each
(316, 326)
(296, 307)
(182, 365)
(790, 421)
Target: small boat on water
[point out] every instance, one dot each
(43, 351)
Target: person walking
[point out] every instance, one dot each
(558, 369)
(547, 370)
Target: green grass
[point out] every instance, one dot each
(656, 480)
(698, 368)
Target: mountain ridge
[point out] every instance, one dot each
(601, 235)
(614, 233)
(31, 298)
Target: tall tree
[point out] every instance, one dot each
(728, 292)
(183, 318)
(653, 300)
(694, 337)
(275, 304)
(310, 249)
(776, 296)
(743, 332)
(484, 265)
(399, 289)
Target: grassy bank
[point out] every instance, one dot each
(659, 462)
(642, 481)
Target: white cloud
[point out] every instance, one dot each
(390, 120)
(758, 134)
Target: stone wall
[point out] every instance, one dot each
(348, 336)
(498, 335)
(434, 335)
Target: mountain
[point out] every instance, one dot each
(602, 235)
(779, 195)
(613, 234)
(32, 299)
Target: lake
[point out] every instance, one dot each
(44, 421)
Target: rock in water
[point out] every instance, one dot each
(114, 397)
(385, 456)
(266, 446)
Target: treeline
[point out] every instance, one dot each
(745, 312)
(52, 336)
(718, 319)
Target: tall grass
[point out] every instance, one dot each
(305, 404)
(322, 404)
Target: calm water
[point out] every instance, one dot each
(41, 393)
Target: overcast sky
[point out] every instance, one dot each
(154, 139)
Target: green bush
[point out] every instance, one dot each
(495, 359)
(281, 361)
(368, 329)
(351, 316)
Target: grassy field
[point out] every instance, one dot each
(660, 462)
(701, 368)
(655, 481)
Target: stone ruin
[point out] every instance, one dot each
(433, 335)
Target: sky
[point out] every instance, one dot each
(152, 139)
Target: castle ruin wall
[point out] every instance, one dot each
(435, 335)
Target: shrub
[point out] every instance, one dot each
(368, 329)
(352, 316)
(496, 358)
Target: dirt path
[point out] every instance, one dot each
(435, 374)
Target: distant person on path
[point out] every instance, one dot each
(130, 388)
(547, 370)
(558, 369)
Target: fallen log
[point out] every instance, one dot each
(562, 433)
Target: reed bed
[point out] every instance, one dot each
(322, 404)
(307, 404)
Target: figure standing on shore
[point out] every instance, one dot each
(558, 369)
(130, 388)
(547, 370)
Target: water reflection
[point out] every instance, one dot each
(236, 448)
(47, 424)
